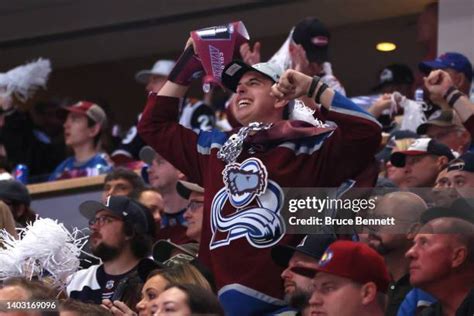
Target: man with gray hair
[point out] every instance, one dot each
(442, 263)
(392, 242)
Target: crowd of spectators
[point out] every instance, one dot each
(192, 216)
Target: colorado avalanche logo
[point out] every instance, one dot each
(257, 201)
(245, 181)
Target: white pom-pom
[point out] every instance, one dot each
(300, 112)
(44, 248)
(24, 80)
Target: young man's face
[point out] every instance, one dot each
(253, 102)
(76, 131)
(107, 238)
(193, 215)
(163, 175)
(335, 296)
(116, 187)
(420, 171)
(462, 181)
(443, 192)
(154, 201)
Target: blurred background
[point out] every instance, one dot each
(96, 47)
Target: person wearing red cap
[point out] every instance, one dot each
(441, 263)
(83, 128)
(350, 279)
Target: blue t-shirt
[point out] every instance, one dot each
(70, 168)
(414, 300)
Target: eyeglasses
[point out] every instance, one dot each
(194, 205)
(102, 220)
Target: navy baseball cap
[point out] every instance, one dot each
(455, 61)
(311, 245)
(464, 163)
(421, 146)
(130, 211)
(395, 74)
(313, 35)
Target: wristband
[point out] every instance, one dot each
(312, 87)
(186, 68)
(454, 98)
(449, 91)
(320, 93)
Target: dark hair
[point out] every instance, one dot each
(145, 188)
(28, 216)
(5, 164)
(140, 243)
(200, 300)
(82, 308)
(92, 123)
(123, 173)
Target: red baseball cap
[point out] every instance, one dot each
(355, 261)
(91, 110)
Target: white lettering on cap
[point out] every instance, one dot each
(233, 69)
(386, 75)
(107, 203)
(320, 40)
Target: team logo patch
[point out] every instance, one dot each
(326, 258)
(245, 181)
(110, 284)
(257, 203)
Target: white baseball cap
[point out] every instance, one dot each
(236, 69)
(162, 67)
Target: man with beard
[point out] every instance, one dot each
(298, 287)
(392, 242)
(121, 235)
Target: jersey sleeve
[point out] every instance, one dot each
(355, 141)
(160, 129)
(469, 125)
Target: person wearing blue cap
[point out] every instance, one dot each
(443, 90)
(456, 65)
